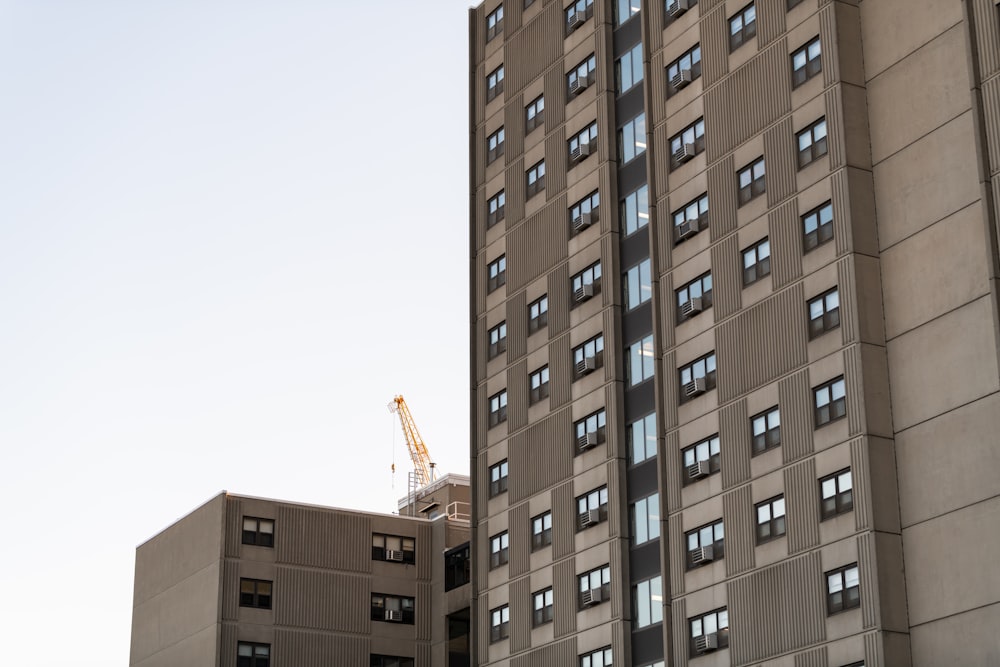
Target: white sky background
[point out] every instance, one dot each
(230, 232)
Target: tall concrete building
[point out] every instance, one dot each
(735, 332)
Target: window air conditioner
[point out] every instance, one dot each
(706, 643)
(681, 79)
(698, 470)
(582, 221)
(692, 307)
(587, 440)
(394, 615)
(678, 7)
(703, 555)
(695, 387)
(685, 153)
(394, 555)
(587, 365)
(592, 597)
(584, 292)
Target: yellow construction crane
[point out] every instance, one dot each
(423, 467)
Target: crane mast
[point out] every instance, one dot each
(423, 467)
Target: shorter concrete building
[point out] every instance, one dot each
(253, 582)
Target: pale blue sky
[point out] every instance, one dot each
(230, 232)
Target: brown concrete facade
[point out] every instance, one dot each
(867, 347)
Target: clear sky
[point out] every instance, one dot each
(230, 232)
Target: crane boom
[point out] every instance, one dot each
(422, 465)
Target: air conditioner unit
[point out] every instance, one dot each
(587, 440)
(687, 229)
(699, 470)
(579, 83)
(678, 7)
(394, 555)
(585, 148)
(703, 555)
(692, 307)
(681, 79)
(577, 19)
(685, 153)
(582, 221)
(586, 365)
(706, 643)
(590, 517)
(584, 292)
(591, 597)
(695, 387)
(394, 615)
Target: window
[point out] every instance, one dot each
(836, 494)
(632, 139)
(791, 4)
(705, 544)
(587, 283)
(684, 70)
(694, 297)
(691, 218)
(392, 608)
(494, 83)
(697, 377)
(495, 208)
(594, 587)
(599, 658)
(635, 210)
(578, 13)
(585, 212)
(498, 340)
(812, 142)
(641, 361)
(259, 532)
(628, 69)
(534, 114)
(394, 548)
(583, 144)
(592, 508)
(590, 431)
(494, 23)
(709, 632)
(255, 593)
(538, 314)
(824, 313)
(638, 285)
(765, 430)
(647, 601)
(742, 27)
(499, 550)
(701, 459)
(588, 357)
(497, 273)
(645, 514)
(539, 385)
(807, 62)
(494, 144)
(457, 567)
(751, 181)
(817, 227)
(390, 661)
(687, 143)
(498, 408)
(770, 519)
(756, 262)
(641, 436)
(624, 10)
(541, 531)
(499, 623)
(842, 589)
(542, 607)
(498, 479)
(535, 179)
(677, 7)
(581, 76)
(253, 655)
(830, 402)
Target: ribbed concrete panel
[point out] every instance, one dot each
(782, 608)
(423, 610)
(482, 485)
(557, 653)
(613, 442)
(737, 518)
(477, 33)
(786, 243)
(814, 658)
(991, 118)
(311, 649)
(608, 188)
(721, 198)
(606, 149)
(556, 156)
(652, 17)
(513, 13)
(734, 443)
(514, 194)
(538, 245)
(322, 600)
(541, 456)
(479, 215)
(663, 239)
(563, 520)
(558, 301)
(560, 372)
(661, 155)
(711, 4)
(670, 390)
(564, 597)
(227, 645)
(842, 223)
(869, 585)
(677, 546)
(612, 352)
(679, 633)
(759, 89)
(424, 655)
(483, 616)
(657, 79)
(519, 531)
(480, 283)
(714, 43)
(727, 279)
(795, 406)
(617, 575)
(987, 33)
(611, 290)
(830, 45)
(517, 327)
(780, 158)
(520, 618)
(527, 53)
(802, 499)
(479, 83)
(668, 314)
(616, 490)
(762, 343)
(517, 395)
(230, 590)
(848, 304)
(234, 527)
(862, 483)
(855, 390)
(479, 400)
(317, 538)
(555, 95)
(480, 134)
(482, 564)
(670, 457)
(873, 650)
(478, 354)
(425, 552)
(770, 21)
(513, 123)
(835, 127)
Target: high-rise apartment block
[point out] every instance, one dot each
(735, 332)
